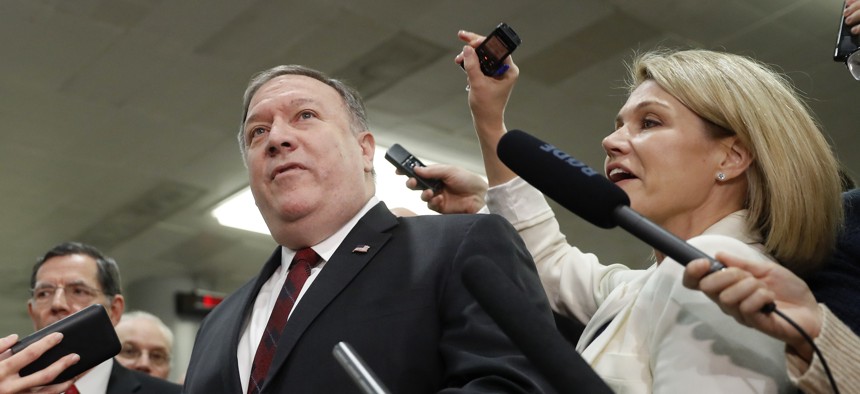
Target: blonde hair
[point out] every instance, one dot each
(793, 196)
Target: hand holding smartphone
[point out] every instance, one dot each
(88, 332)
(405, 162)
(497, 46)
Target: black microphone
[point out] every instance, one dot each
(588, 194)
(585, 192)
(533, 332)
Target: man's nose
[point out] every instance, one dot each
(143, 362)
(59, 302)
(280, 137)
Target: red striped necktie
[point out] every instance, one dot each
(300, 270)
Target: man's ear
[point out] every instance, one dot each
(31, 313)
(737, 158)
(115, 309)
(368, 148)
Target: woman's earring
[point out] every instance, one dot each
(721, 176)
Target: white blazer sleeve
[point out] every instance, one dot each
(576, 283)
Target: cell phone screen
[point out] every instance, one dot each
(496, 47)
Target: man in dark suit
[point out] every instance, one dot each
(72, 276)
(388, 286)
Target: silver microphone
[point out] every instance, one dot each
(355, 367)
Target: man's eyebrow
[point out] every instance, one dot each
(74, 282)
(254, 116)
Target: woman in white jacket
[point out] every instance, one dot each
(717, 149)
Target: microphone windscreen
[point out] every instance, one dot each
(561, 177)
(531, 330)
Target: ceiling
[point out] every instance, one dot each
(119, 116)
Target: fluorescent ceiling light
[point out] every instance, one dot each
(239, 210)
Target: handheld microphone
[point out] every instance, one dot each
(533, 332)
(588, 194)
(355, 367)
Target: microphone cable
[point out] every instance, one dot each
(814, 348)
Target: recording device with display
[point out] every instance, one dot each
(88, 332)
(498, 45)
(405, 162)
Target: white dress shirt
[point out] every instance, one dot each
(95, 381)
(268, 295)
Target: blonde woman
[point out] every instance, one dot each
(714, 147)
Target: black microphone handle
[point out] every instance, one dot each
(533, 332)
(660, 239)
(666, 242)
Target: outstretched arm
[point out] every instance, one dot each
(488, 97)
(461, 191)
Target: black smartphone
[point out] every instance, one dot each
(846, 43)
(498, 45)
(88, 332)
(405, 161)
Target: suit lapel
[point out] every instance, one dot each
(247, 298)
(615, 311)
(121, 381)
(343, 266)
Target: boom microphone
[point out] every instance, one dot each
(534, 333)
(585, 192)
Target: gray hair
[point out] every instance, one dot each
(108, 270)
(134, 315)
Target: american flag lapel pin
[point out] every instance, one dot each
(361, 249)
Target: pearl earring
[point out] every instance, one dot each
(721, 176)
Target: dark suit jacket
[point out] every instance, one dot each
(402, 306)
(837, 284)
(124, 381)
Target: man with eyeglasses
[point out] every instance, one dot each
(146, 343)
(70, 277)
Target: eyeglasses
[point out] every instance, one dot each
(157, 357)
(853, 63)
(76, 293)
(848, 49)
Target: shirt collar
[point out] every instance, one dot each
(328, 246)
(96, 379)
(735, 225)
